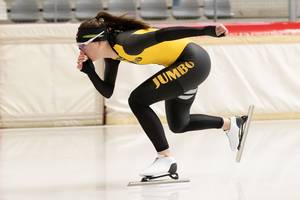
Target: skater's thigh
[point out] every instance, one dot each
(178, 109)
(151, 91)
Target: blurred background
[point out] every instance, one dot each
(58, 133)
(40, 85)
(72, 10)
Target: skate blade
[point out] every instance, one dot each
(246, 130)
(157, 182)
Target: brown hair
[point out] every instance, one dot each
(114, 23)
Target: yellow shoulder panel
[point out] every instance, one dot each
(142, 31)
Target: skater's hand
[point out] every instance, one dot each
(81, 58)
(221, 30)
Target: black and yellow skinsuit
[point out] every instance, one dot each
(186, 65)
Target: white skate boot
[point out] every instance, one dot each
(234, 133)
(162, 166)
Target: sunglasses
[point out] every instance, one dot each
(82, 45)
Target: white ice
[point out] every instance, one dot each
(96, 163)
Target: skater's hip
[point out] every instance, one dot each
(191, 68)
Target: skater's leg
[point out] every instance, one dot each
(145, 95)
(180, 120)
(165, 153)
(191, 69)
(178, 109)
(226, 125)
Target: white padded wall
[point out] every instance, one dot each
(40, 84)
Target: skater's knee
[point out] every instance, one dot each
(177, 127)
(134, 99)
(139, 98)
(177, 124)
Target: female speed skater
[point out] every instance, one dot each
(186, 66)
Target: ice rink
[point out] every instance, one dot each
(96, 163)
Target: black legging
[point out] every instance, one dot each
(177, 85)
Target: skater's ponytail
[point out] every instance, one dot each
(113, 23)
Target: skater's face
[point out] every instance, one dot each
(91, 42)
(94, 50)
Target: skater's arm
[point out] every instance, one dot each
(105, 87)
(135, 42)
(174, 33)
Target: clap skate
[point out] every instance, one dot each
(244, 132)
(239, 127)
(161, 167)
